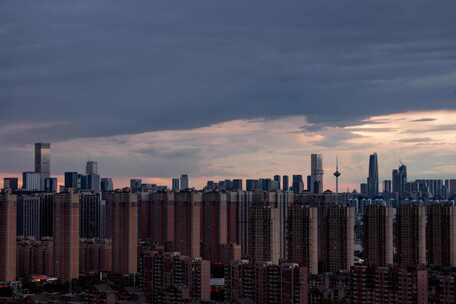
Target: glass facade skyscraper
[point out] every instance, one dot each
(372, 180)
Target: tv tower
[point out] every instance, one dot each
(337, 174)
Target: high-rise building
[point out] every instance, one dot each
(156, 218)
(451, 187)
(251, 184)
(72, 180)
(303, 237)
(309, 183)
(411, 235)
(363, 188)
(66, 236)
(400, 179)
(35, 257)
(175, 184)
(106, 184)
(124, 231)
(10, 184)
(28, 216)
(170, 277)
(135, 185)
(214, 226)
(441, 234)
(43, 161)
(266, 283)
(277, 181)
(47, 201)
(95, 255)
(7, 237)
(393, 285)
(91, 217)
(237, 185)
(378, 235)
(31, 181)
(187, 223)
(372, 180)
(265, 184)
(184, 182)
(233, 203)
(442, 286)
(91, 183)
(285, 183)
(264, 234)
(298, 184)
(387, 188)
(50, 184)
(91, 167)
(316, 169)
(336, 238)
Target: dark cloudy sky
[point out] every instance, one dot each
(228, 88)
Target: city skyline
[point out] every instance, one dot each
(354, 164)
(261, 151)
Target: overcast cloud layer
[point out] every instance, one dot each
(73, 70)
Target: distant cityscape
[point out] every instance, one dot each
(268, 240)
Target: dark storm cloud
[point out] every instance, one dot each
(114, 67)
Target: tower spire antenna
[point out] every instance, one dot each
(337, 174)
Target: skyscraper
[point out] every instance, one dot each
(47, 201)
(7, 237)
(124, 232)
(214, 226)
(411, 234)
(264, 234)
(184, 182)
(66, 236)
(31, 181)
(387, 186)
(372, 180)
(10, 184)
(50, 184)
(303, 236)
(72, 180)
(91, 167)
(251, 184)
(43, 159)
(336, 238)
(441, 234)
(135, 185)
(188, 223)
(175, 184)
(298, 184)
(92, 178)
(156, 217)
(91, 216)
(237, 185)
(277, 181)
(316, 170)
(106, 184)
(378, 235)
(28, 216)
(400, 180)
(285, 183)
